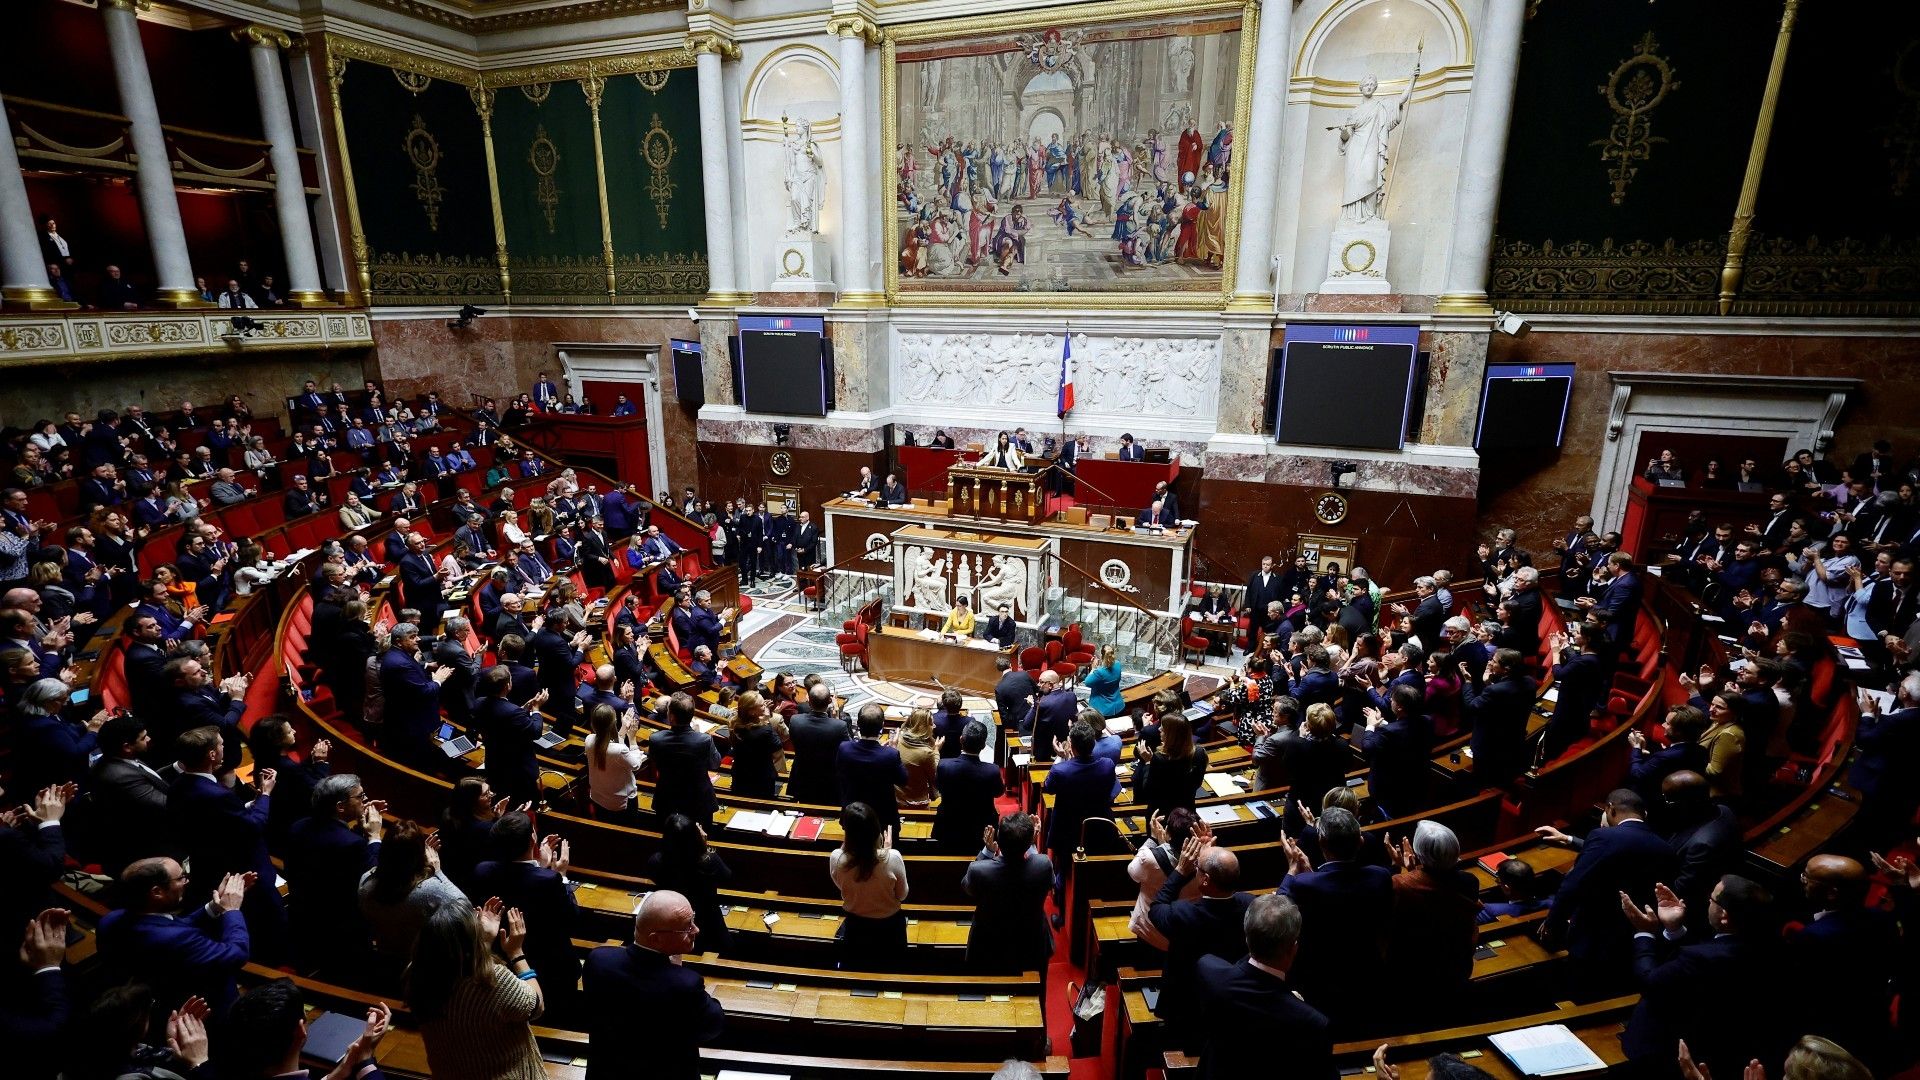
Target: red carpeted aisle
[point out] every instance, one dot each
(1059, 1007)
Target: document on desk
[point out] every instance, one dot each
(1547, 1050)
(1120, 724)
(1221, 784)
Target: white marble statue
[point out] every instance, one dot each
(929, 578)
(1006, 583)
(804, 186)
(1363, 143)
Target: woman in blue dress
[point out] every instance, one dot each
(1103, 684)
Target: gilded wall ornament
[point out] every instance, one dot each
(544, 157)
(412, 81)
(1633, 91)
(1902, 139)
(653, 81)
(538, 93)
(423, 150)
(657, 149)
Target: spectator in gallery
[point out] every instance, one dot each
(116, 292)
(55, 248)
(205, 291)
(57, 281)
(234, 298)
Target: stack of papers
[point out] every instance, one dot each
(1120, 724)
(1221, 784)
(772, 824)
(1547, 1050)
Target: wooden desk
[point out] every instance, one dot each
(908, 656)
(995, 493)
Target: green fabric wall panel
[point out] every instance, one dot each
(420, 176)
(549, 192)
(650, 125)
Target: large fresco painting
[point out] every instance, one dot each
(1084, 158)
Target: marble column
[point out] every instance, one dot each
(1476, 201)
(1258, 172)
(23, 275)
(856, 164)
(710, 52)
(159, 205)
(289, 186)
(309, 110)
(1246, 353)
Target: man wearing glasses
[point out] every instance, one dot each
(647, 979)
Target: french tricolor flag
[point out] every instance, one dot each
(1066, 376)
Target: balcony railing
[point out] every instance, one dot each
(38, 337)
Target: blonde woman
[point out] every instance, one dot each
(612, 759)
(1103, 684)
(474, 996)
(759, 737)
(921, 758)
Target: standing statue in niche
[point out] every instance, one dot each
(1363, 142)
(803, 177)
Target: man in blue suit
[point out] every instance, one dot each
(1884, 771)
(684, 759)
(1130, 450)
(326, 855)
(222, 834)
(422, 581)
(1498, 713)
(509, 731)
(703, 625)
(1082, 788)
(1249, 1014)
(1849, 949)
(1318, 684)
(1623, 855)
(869, 769)
(197, 955)
(1350, 906)
(1581, 680)
(645, 979)
(557, 653)
(1683, 752)
(532, 876)
(412, 711)
(199, 703)
(1618, 604)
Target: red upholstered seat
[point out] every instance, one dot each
(1033, 658)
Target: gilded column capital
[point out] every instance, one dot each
(594, 86)
(854, 26)
(482, 101)
(710, 41)
(263, 36)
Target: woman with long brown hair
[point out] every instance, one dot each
(921, 759)
(758, 738)
(872, 879)
(612, 758)
(1168, 777)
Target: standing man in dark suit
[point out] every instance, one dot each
(594, 555)
(1013, 695)
(199, 703)
(1893, 604)
(647, 979)
(1398, 750)
(1263, 587)
(194, 956)
(326, 855)
(1581, 680)
(1248, 1015)
(422, 581)
(1705, 836)
(450, 653)
(126, 791)
(411, 700)
(869, 770)
(145, 667)
(1082, 787)
(1772, 534)
(557, 653)
(1211, 924)
(1009, 883)
(1054, 712)
(1684, 726)
(1498, 713)
(804, 544)
(222, 834)
(1884, 772)
(1724, 995)
(683, 760)
(1428, 614)
(1350, 907)
(1850, 951)
(509, 731)
(532, 876)
(817, 733)
(968, 787)
(1623, 855)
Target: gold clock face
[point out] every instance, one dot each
(1330, 508)
(782, 463)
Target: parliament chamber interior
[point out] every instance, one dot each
(761, 540)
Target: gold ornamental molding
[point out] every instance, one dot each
(642, 64)
(423, 152)
(854, 26)
(263, 35)
(1741, 233)
(1633, 90)
(45, 337)
(544, 159)
(472, 17)
(344, 48)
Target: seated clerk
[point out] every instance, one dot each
(1158, 514)
(865, 486)
(895, 491)
(1001, 628)
(1130, 450)
(959, 619)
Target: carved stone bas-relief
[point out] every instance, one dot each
(1172, 377)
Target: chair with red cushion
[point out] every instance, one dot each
(1033, 659)
(1067, 672)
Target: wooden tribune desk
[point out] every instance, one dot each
(995, 493)
(910, 656)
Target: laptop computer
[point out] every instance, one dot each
(450, 744)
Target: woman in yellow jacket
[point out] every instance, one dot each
(1726, 743)
(959, 620)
